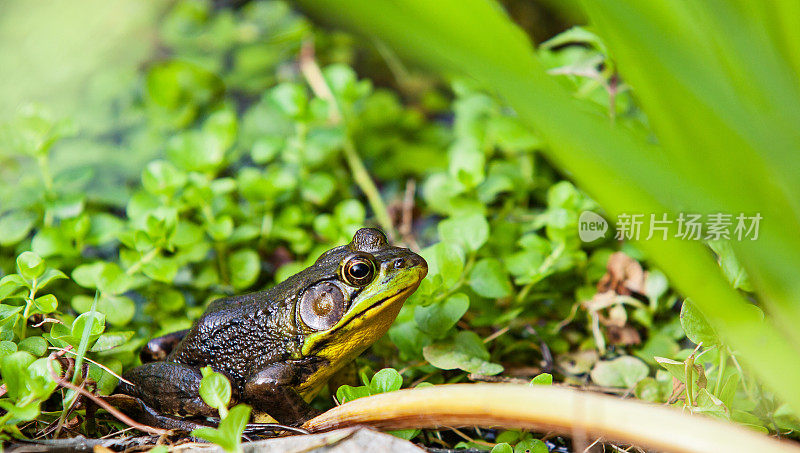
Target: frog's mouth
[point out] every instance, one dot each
(379, 303)
(397, 295)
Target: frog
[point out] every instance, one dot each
(279, 347)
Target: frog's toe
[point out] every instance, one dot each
(159, 348)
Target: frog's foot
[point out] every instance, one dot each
(146, 415)
(159, 348)
(138, 410)
(169, 388)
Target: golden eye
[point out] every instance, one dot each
(358, 270)
(322, 306)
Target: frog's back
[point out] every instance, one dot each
(237, 335)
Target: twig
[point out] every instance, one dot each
(64, 412)
(596, 441)
(316, 80)
(258, 427)
(408, 214)
(98, 364)
(462, 435)
(469, 439)
(47, 320)
(496, 334)
(116, 433)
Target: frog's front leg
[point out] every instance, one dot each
(170, 388)
(271, 390)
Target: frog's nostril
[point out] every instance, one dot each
(398, 263)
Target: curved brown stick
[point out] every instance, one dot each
(548, 408)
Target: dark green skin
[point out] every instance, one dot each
(255, 340)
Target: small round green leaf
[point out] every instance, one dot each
(466, 352)
(489, 279)
(119, 310)
(502, 448)
(170, 300)
(438, 318)
(98, 324)
(112, 280)
(469, 231)
(111, 340)
(86, 274)
(445, 260)
(245, 265)
(8, 347)
(220, 228)
(531, 446)
(50, 275)
(30, 265)
(15, 227)
(347, 393)
(385, 380)
(46, 304)
(291, 98)
(696, 327)
(35, 345)
(14, 368)
(161, 177)
(622, 372)
(542, 379)
(11, 284)
(215, 389)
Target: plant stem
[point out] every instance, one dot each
(68, 401)
(461, 280)
(316, 80)
(26, 312)
(44, 167)
(143, 260)
(551, 258)
(365, 183)
(43, 162)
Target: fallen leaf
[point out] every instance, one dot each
(623, 336)
(624, 276)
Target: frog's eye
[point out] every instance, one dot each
(358, 270)
(322, 306)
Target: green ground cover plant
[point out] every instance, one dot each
(256, 140)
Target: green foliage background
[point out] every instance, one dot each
(223, 166)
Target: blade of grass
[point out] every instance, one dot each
(84, 343)
(715, 109)
(70, 399)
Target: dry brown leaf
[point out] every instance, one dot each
(624, 276)
(623, 336)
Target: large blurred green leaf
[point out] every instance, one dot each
(720, 97)
(717, 80)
